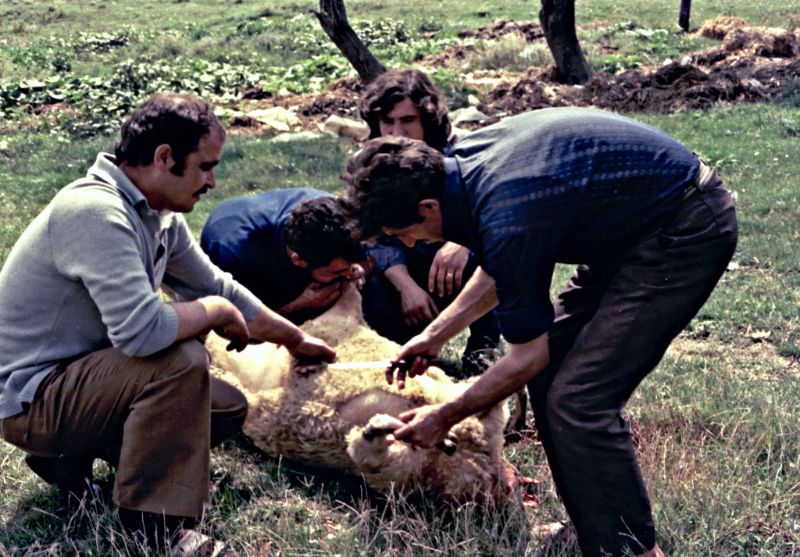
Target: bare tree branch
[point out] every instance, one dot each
(558, 22)
(333, 19)
(686, 10)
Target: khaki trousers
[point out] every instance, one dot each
(153, 418)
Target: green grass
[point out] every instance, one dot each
(79, 52)
(716, 423)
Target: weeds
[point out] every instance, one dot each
(510, 52)
(716, 422)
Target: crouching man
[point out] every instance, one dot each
(93, 363)
(651, 229)
(293, 248)
(412, 284)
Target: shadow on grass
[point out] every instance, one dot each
(381, 521)
(45, 522)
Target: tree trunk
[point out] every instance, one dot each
(333, 18)
(558, 22)
(686, 10)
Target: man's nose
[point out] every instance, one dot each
(211, 180)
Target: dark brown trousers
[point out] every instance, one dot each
(153, 418)
(613, 324)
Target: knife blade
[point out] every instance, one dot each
(377, 364)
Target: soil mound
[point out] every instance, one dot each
(528, 29)
(752, 64)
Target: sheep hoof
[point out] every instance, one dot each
(380, 425)
(448, 445)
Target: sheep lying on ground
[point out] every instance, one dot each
(342, 418)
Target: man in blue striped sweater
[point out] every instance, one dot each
(651, 230)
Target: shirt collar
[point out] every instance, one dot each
(457, 223)
(106, 170)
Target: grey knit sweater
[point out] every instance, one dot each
(85, 274)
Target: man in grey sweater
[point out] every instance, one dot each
(97, 364)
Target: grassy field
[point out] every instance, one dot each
(716, 422)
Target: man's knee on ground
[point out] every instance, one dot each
(227, 399)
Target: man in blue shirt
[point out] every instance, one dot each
(651, 229)
(292, 248)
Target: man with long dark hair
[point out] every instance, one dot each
(411, 285)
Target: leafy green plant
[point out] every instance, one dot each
(509, 52)
(451, 83)
(628, 45)
(617, 62)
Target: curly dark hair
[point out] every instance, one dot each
(390, 88)
(387, 179)
(178, 120)
(319, 231)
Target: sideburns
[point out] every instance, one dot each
(179, 167)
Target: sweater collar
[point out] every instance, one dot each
(106, 170)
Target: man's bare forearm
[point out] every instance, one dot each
(270, 326)
(204, 314)
(510, 374)
(399, 277)
(476, 299)
(200, 316)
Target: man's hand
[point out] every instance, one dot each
(311, 351)
(413, 359)
(315, 296)
(358, 274)
(227, 321)
(426, 426)
(447, 269)
(417, 306)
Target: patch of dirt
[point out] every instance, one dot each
(340, 98)
(718, 27)
(454, 55)
(528, 29)
(751, 64)
(450, 56)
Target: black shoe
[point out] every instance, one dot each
(71, 474)
(479, 354)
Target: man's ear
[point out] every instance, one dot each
(163, 156)
(428, 207)
(297, 261)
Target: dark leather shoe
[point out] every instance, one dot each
(71, 474)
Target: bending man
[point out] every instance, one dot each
(652, 230)
(293, 248)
